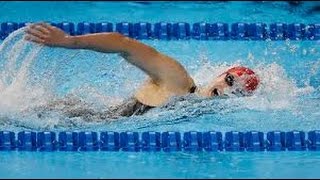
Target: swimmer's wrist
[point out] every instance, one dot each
(69, 41)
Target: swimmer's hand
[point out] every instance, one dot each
(46, 34)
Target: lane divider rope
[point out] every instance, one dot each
(167, 141)
(186, 31)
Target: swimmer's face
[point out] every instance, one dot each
(224, 85)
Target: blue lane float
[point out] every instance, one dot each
(125, 28)
(171, 141)
(239, 31)
(257, 31)
(109, 141)
(276, 141)
(67, 27)
(296, 31)
(185, 31)
(295, 141)
(254, 141)
(68, 141)
(212, 141)
(46, 141)
(88, 141)
(142, 30)
(234, 141)
(27, 141)
(181, 30)
(313, 141)
(200, 31)
(129, 141)
(151, 141)
(7, 140)
(104, 27)
(85, 28)
(218, 31)
(162, 31)
(192, 141)
(278, 31)
(7, 28)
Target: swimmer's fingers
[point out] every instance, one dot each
(43, 27)
(34, 39)
(47, 26)
(46, 34)
(40, 27)
(50, 30)
(35, 32)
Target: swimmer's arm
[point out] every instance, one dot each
(161, 68)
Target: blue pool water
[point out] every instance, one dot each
(288, 98)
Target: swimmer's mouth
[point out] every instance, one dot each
(216, 93)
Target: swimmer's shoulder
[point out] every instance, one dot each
(154, 94)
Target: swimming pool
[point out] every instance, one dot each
(287, 100)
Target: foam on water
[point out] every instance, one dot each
(24, 92)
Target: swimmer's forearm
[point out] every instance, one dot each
(133, 51)
(46, 34)
(102, 42)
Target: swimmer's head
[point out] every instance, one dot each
(240, 81)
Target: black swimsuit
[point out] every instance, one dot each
(73, 107)
(135, 107)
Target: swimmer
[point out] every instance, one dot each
(167, 77)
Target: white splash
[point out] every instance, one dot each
(16, 95)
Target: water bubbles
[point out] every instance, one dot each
(304, 52)
(313, 50)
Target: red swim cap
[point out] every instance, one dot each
(250, 79)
